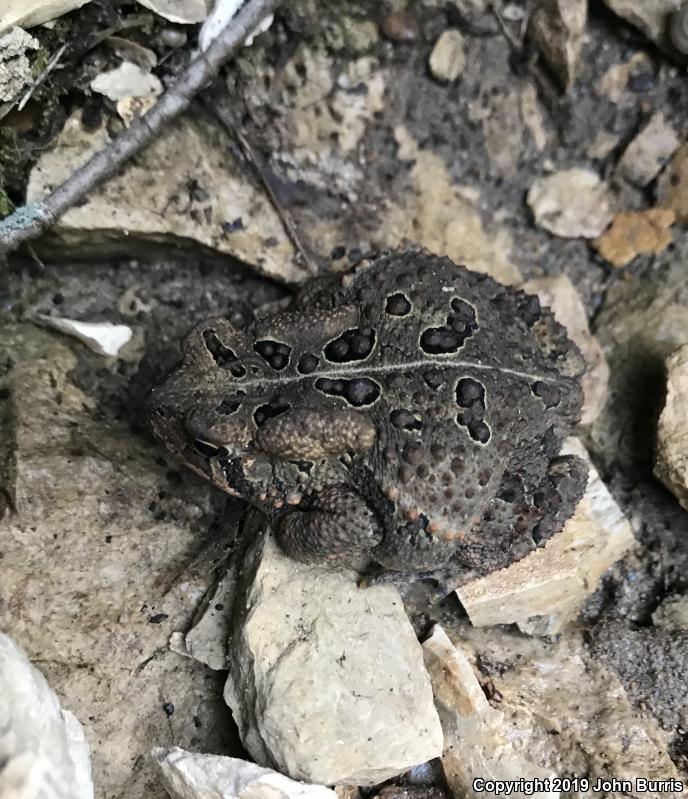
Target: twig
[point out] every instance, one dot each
(32, 219)
(44, 74)
(215, 105)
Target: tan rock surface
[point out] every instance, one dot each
(634, 233)
(27, 13)
(102, 559)
(439, 215)
(476, 740)
(207, 191)
(561, 703)
(559, 294)
(671, 465)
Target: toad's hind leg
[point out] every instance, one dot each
(338, 528)
(522, 523)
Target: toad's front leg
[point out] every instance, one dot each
(336, 527)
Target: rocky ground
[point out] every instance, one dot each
(534, 141)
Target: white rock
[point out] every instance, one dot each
(447, 58)
(190, 775)
(43, 750)
(127, 80)
(326, 680)
(552, 582)
(185, 12)
(28, 13)
(105, 338)
(573, 203)
(560, 295)
(649, 151)
(476, 739)
(15, 67)
(671, 465)
(223, 12)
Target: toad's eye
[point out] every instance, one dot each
(206, 449)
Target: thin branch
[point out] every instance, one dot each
(216, 107)
(32, 219)
(41, 78)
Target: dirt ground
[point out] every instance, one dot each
(353, 182)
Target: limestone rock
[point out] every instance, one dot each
(206, 641)
(15, 67)
(649, 16)
(191, 775)
(43, 750)
(552, 582)
(649, 151)
(559, 294)
(326, 680)
(558, 27)
(28, 13)
(447, 58)
(562, 704)
(127, 80)
(671, 465)
(672, 186)
(207, 198)
(103, 557)
(572, 203)
(185, 12)
(672, 613)
(476, 740)
(633, 233)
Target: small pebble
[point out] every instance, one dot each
(641, 82)
(172, 37)
(447, 59)
(401, 27)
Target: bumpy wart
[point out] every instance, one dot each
(408, 413)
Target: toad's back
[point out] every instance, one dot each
(436, 394)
